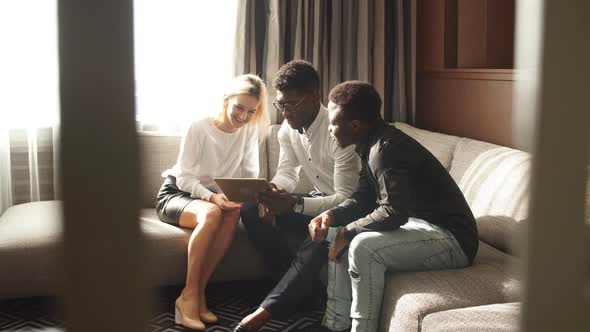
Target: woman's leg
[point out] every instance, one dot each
(205, 218)
(219, 247)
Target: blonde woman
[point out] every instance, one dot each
(224, 145)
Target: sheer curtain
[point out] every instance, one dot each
(183, 56)
(29, 101)
(5, 181)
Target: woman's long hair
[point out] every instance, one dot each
(252, 85)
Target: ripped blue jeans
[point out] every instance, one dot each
(356, 286)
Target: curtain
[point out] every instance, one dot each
(400, 69)
(33, 162)
(369, 40)
(29, 101)
(5, 180)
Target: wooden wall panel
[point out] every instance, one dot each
(459, 88)
(478, 108)
(471, 42)
(430, 26)
(451, 33)
(500, 34)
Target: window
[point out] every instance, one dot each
(183, 55)
(29, 91)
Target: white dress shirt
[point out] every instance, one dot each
(206, 152)
(332, 170)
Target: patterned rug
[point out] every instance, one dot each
(230, 301)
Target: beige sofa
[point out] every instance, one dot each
(484, 296)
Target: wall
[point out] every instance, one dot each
(464, 68)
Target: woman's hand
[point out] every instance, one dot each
(223, 203)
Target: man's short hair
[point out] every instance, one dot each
(297, 75)
(359, 100)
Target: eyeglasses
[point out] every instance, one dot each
(284, 107)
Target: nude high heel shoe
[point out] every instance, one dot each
(209, 317)
(181, 319)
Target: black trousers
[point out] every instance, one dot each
(296, 274)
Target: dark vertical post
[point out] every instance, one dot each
(104, 286)
(550, 36)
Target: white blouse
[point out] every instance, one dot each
(206, 152)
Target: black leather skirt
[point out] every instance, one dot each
(170, 201)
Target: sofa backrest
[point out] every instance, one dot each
(440, 145)
(158, 152)
(493, 179)
(495, 182)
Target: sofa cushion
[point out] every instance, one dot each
(501, 317)
(159, 153)
(440, 145)
(273, 148)
(166, 247)
(31, 246)
(30, 249)
(495, 182)
(409, 297)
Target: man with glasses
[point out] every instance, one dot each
(306, 146)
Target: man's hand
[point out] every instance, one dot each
(338, 246)
(277, 200)
(269, 218)
(318, 226)
(223, 203)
